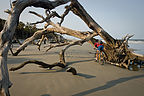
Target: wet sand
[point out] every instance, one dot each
(93, 79)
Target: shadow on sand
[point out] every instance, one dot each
(63, 70)
(108, 85)
(86, 75)
(80, 61)
(45, 95)
(16, 60)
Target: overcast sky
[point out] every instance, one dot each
(117, 17)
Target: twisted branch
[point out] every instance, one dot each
(42, 65)
(57, 45)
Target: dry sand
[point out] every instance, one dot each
(93, 79)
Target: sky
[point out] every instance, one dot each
(116, 17)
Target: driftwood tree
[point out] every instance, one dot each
(85, 36)
(115, 50)
(56, 28)
(62, 62)
(7, 33)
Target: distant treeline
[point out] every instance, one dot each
(23, 31)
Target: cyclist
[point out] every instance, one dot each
(99, 48)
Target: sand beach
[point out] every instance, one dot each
(93, 79)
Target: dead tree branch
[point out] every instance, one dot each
(29, 40)
(57, 45)
(79, 42)
(68, 9)
(42, 65)
(112, 46)
(6, 35)
(57, 29)
(62, 62)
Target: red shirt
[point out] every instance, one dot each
(97, 45)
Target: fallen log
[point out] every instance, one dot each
(116, 50)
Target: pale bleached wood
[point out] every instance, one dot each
(7, 33)
(78, 42)
(112, 46)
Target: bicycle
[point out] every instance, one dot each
(100, 57)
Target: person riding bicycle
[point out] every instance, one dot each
(99, 47)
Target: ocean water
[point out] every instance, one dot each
(138, 46)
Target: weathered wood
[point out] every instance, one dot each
(116, 50)
(57, 45)
(42, 65)
(29, 40)
(2, 92)
(62, 62)
(7, 33)
(79, 42)
(57, 29)
(112, 46)
(40, 42)
(78, 10)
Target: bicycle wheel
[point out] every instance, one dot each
(101, 58)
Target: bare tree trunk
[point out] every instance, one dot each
(7, 33)
(116, 50)
(78, 10)
(112, 46)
